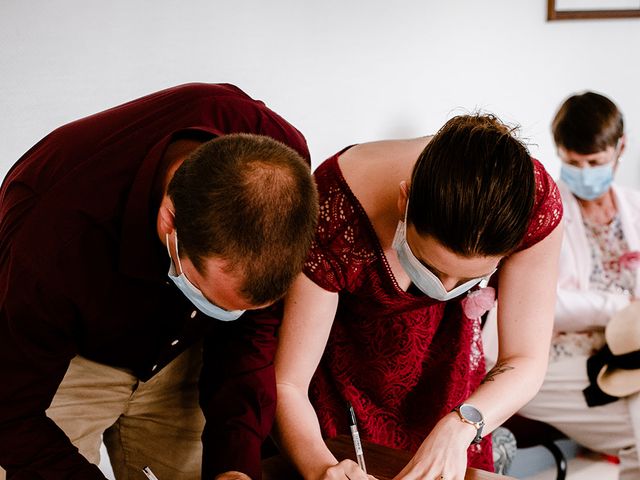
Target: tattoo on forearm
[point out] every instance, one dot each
(499, 368)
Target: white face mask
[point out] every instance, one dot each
(194, 295)
(587, 183)
(421, 276)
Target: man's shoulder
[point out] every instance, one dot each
(202, 89)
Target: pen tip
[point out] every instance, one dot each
(352, 415)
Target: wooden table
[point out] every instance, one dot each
(382, 462)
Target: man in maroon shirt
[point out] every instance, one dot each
(131, 242)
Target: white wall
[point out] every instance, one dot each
(342, 71)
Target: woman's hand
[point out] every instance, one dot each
(443, 454)
(346, 469)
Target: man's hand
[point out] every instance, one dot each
(232, 476)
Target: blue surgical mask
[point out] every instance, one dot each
(587, 183)
(194, 295)
(423, 278)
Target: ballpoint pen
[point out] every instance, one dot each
(353, 426)
(147, 471)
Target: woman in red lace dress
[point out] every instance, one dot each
(382, 317)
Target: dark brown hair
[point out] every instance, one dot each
(473, 187)
(251, 201)
(587, 123)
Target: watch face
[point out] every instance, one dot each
(471, 413)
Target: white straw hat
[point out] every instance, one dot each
(622, 334)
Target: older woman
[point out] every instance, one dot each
(597, 278)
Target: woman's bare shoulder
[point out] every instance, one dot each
(388, 150)
(384, 160)
(374, 171)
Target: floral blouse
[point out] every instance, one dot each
(608, 274)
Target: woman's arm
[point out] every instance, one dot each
(308, 315)
(525, 318)
(584, 310)
(526, 303)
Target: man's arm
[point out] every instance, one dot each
(238, 392)
(34, 355)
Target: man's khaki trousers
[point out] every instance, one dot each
(156, 423)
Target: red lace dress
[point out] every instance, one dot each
(400, 358)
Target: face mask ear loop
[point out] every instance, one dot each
(618, 159)
(406, 211)
(178, 255)
(166, 237)
(406, 225)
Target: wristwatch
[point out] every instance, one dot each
(471, 415)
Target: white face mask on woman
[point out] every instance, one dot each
(420, 275)
(590, 182)
(587, 183)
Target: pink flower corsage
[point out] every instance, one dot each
(630, 260)
(477, 302)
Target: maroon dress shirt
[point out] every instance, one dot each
(82, 271)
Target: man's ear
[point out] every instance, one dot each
(166, 216)
(403, 199)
